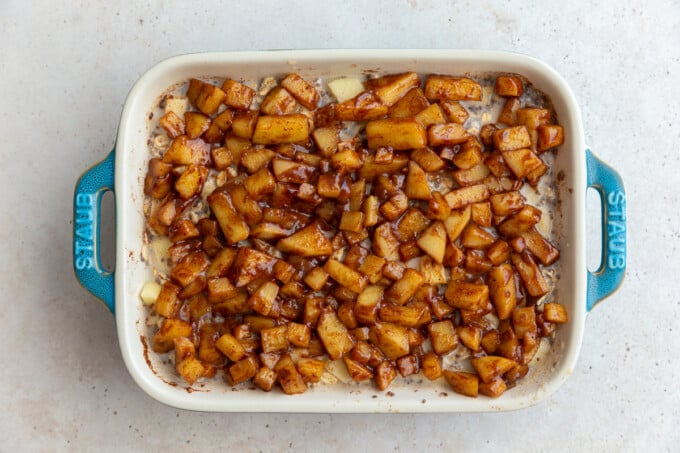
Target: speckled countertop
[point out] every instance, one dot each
(64, 74)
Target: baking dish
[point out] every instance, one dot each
(122, 172)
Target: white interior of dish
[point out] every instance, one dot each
(131, 272)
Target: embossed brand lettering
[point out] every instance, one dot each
(616, 230)
(84, 231)
(617, 261)
(85, 200)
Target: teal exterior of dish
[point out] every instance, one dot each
(86, 226)
(609, 276)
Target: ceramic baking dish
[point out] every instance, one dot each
(122, 172)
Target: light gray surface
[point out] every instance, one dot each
(64, 74)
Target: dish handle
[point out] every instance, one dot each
(612, 270)
(90, 188)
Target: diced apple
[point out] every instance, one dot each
(523, 162)
(520, 222)
(191, 182)
(404, 288)
(447, 134)
(470, 336)
(467, 296)
(371, 169)
(385, 244)
(427, 159)
(490, 367)
(311, 370)
(356, 370)
(397, 87)
(431, 115)
(410, 105)
(333, 334)
(459, 198)
(185, 151)
(385, 373)
(289, 128)
(533, 117)
(431, 366)
(346, 276)
(196, 124)
(417, 187)
(549, 136)
(290, 171)
(363, 106)
(433, 241)
(508, 114)
(462, 382)
(456, 222)
(238, 95)
(540, 247)
(372, 268)
(190, 369)
(455, 112)
(452, 88)
(232, 224)
(326, 139)
(443, 336)
(400, 134)
(508, 86)
(366, 305)
(302, 90)
(173, 124)
(249, 265)
(299, 334)
(554, 312)
(288, 376)
(231, 347)
(511, 138)
(395, 206)
(308, 241)
(391, 339)
(475, 237)
(209, 99)
(531, 275)
(502, 290)
(265, 378)
(403, 315)
(274, 339)
(278, 101)
(263, 298)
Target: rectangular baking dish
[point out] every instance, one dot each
(122, 172)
